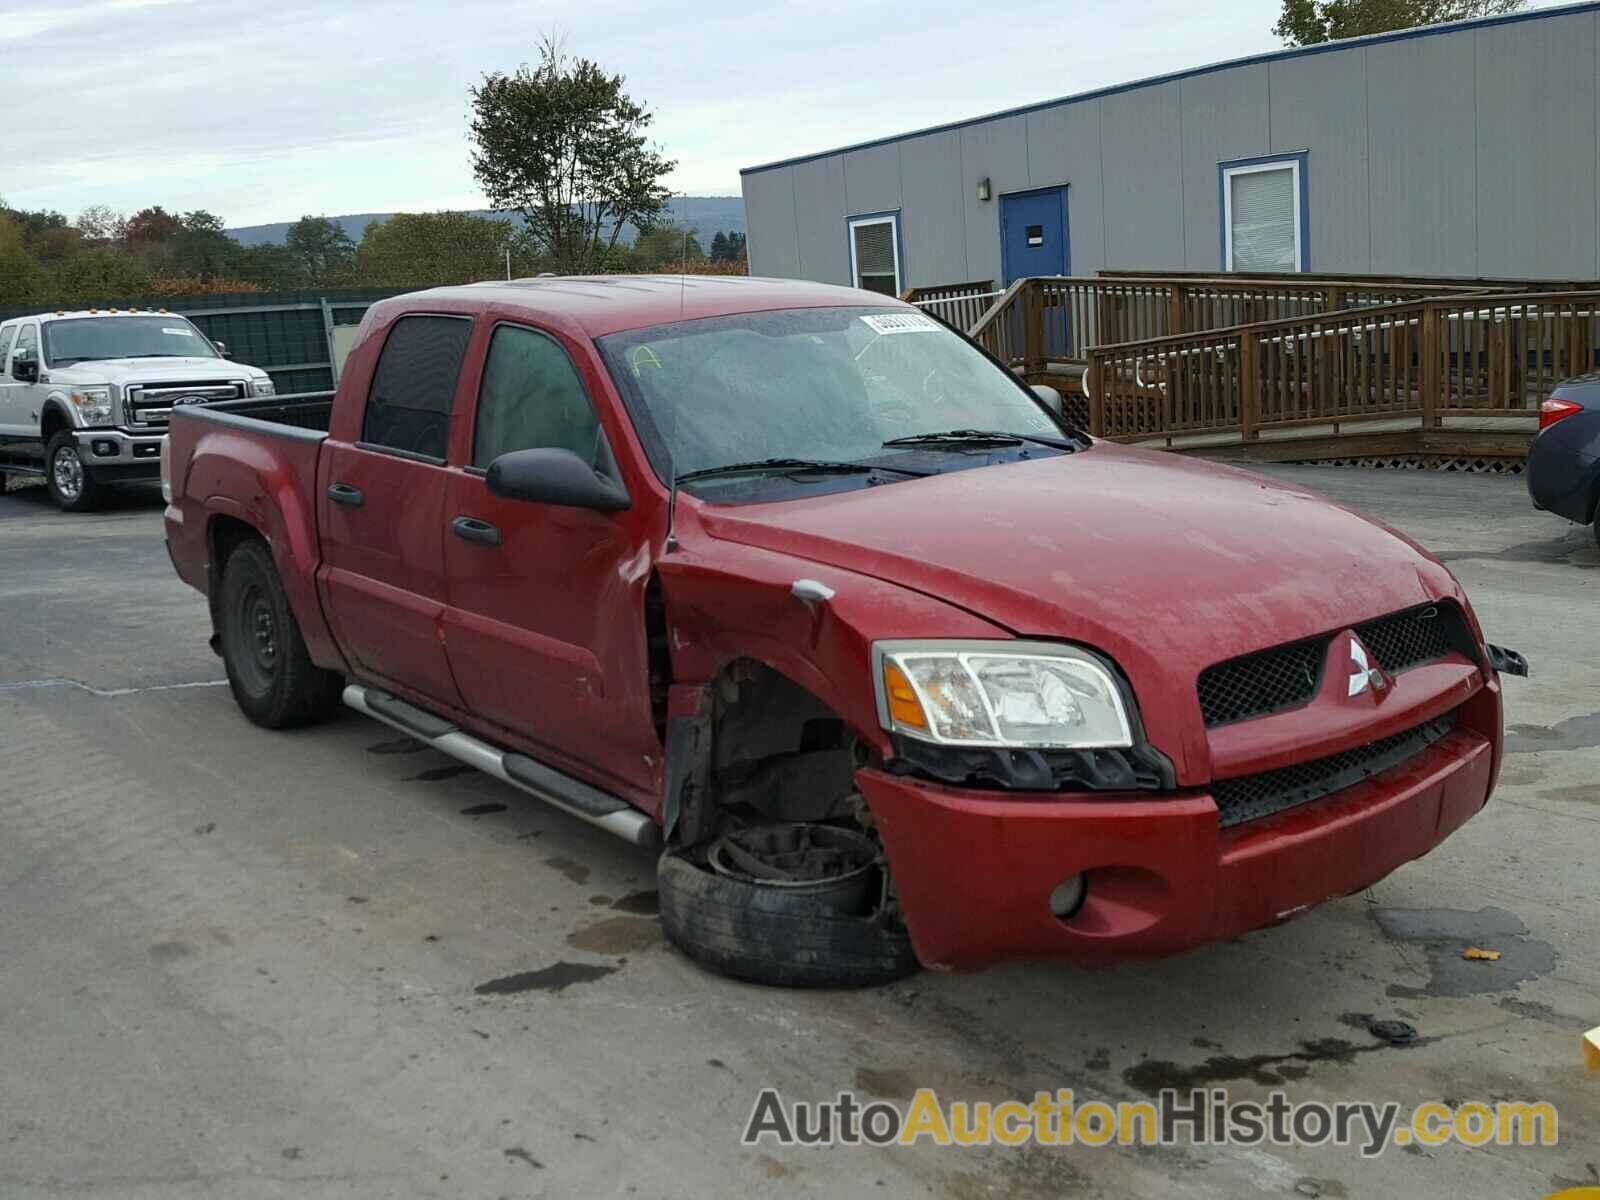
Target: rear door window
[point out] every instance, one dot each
(531, 398)
(414, 386)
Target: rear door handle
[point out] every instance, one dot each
(343, 493)
(470, 529)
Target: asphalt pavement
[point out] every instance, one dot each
(330, 963)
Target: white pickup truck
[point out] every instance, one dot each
(85, 396)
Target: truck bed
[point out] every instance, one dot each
(301, 410)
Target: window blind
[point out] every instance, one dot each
(1263, 211)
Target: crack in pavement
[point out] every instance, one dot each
(108, 693)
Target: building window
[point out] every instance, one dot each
(1264, 214)
(875, 253)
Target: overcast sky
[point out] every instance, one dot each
(262, 111)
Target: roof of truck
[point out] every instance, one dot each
(61, 314)
(602, 304)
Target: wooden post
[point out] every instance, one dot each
(1431, 377)
(1092, 383)
(1032, 332)
(1176, 294)
(1248, 388)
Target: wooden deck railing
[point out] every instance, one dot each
(1054, 321)
(1484, 356)
(956, 304)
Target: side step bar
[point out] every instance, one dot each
(555, 788)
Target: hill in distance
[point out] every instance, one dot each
(706, 215)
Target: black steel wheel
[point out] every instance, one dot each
(272, 677)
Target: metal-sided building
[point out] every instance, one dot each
(1466, 149)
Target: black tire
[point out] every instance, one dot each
(273, 679)
(72, 485)
(764, 935)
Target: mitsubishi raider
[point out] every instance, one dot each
(801, 588)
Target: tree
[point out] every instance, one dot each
(150, 230)
(563, 145)
(201, 248)
(719, 247)
(435, 248)
(21, 278)
(1310, 22)
(736, 249)
(101, 223)
(319, 248)
(270, 267)
(666, 247)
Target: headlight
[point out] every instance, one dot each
(94, 405)
(1033, 694)
(264, 387)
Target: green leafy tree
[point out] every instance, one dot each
(201, 248)
(99, 273)
(719, 247)
(22, 280)
(1311, 22)
(319, 248)
(566, 147)
(270, 267)
(663, 248)
(436, 248)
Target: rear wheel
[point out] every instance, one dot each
(269, 670)
(71, 486)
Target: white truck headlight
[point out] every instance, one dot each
(93, 405)
(1038, 695)
(264, 387)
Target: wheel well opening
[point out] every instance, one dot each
(778, 752)
(227, 534)
(53, 423)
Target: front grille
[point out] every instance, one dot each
(1251, 797)
(149, 405)
(1287, 677)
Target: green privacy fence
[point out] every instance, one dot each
(288, 334)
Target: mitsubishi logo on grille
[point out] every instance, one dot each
(1364, 675)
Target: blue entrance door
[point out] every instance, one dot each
(1033, 234)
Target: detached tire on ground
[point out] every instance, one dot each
(767, 935)
(272, 676)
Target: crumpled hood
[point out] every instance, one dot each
(151, 370)
(1165, 563)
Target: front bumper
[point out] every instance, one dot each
(115, 452)
(975, 869)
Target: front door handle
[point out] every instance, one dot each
(470, 529)
(343, 493)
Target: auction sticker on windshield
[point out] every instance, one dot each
(900, 323)
(178, 332)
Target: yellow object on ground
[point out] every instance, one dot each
(1591, 1051)
(1476, 954)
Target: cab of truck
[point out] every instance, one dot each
(85, 396)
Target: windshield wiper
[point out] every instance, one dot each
(992, 437)
(779, 465)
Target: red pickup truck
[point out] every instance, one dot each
(799, 585)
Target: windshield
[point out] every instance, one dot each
(826, 384)
(85, 339)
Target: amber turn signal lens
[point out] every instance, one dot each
(904, 707)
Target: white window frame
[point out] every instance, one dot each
(1290, 163)
(892, 220)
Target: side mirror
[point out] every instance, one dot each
(1051, 397)
(222, 349)
(24, 367)
(555, 477)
